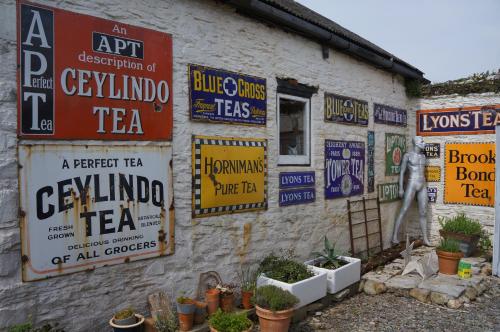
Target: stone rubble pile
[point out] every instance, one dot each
(439, 289)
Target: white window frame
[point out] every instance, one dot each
(299, 160)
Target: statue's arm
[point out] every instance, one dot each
(402, 175)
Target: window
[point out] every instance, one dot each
(293, 124)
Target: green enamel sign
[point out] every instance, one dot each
(395, 148)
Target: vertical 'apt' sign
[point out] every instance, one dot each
(112, 77)
(37, 70)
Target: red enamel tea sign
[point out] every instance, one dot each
(82, 77)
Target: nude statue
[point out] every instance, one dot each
(417, 185)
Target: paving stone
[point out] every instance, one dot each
(377, 277)
(342, 294)
(480, 288)
(464, 299)
(407, 281)
(393, 269)
(444, 284)
(470, 293)
(373, 287)
(421, 294)
(454, 304)
(486, 270)
(440, 298)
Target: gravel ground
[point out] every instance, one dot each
(390, 312)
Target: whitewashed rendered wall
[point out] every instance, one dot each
(206, 33)
(486, 215)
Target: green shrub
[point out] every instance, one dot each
(166, 322)
(229, 322)
(24, 327)
(184, 300)
(461, 224)
(485, 241)
(125, 313)
(449, 245)
(284, 269)
(274, 298)
(248, 278)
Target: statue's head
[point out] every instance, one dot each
(419, 141)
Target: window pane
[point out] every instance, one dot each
(291, 127)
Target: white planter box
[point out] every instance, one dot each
(308, 290)
(342, 277)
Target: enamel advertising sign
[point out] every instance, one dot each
(297, 188)
(388, 192)
(432, 194)
(217, 95)
(470, 173)
(371, 161)
(395, 148)
(432, 173)
(344, 168)
(389, 115)
(345, 110)
(469, 120)
(297, 179)
(90, 206)
(82, 77)
(229, 175)
(432, 150)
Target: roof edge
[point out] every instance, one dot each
(261, 10)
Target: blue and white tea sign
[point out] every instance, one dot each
(297, 196)
(297, 179)
(297, 188)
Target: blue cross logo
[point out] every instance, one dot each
(229, 86)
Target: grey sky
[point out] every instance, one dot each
(446, 39)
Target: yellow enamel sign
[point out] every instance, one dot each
(229, 175)
(433, 173)
(470, 173)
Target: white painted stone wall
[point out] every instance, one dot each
(207, 33)
(486, 215)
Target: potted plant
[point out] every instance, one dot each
(226, 296)
(185, 312)
(166, 321)
(342, 271)
(307, 284)
(275, 307)
(229, 322)
(127, 320)
(248, 280)
(449, 255)
(200, 313)
(213, 299)
(462, 229)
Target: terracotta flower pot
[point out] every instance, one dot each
(227, 302)
(200, 312)
(448, 261)
(185, 311)
(185, 321)
(212, 299)
(246, 297)
(274, 321)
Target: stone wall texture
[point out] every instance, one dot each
(207, 33)
(486, 215)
